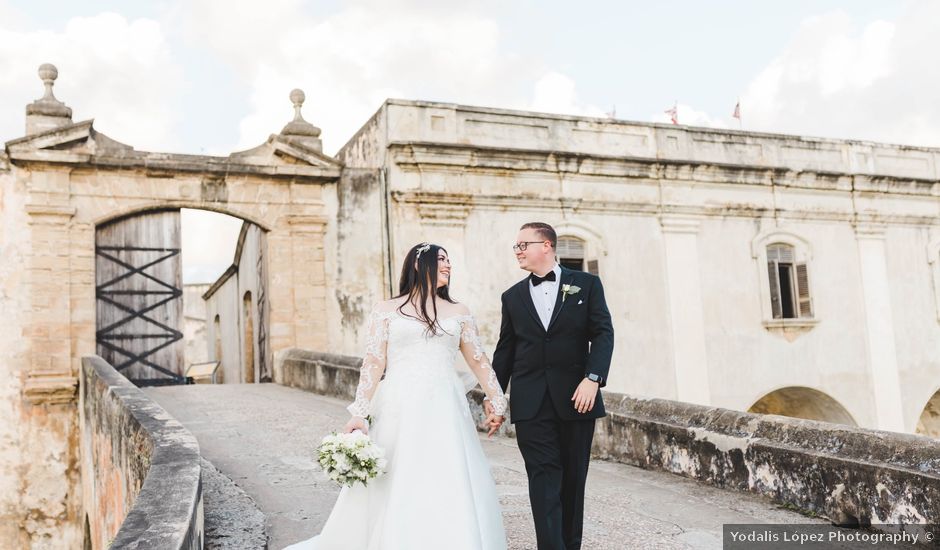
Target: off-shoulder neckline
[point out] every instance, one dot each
(396, 313)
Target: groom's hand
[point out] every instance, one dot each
(494, 421)
(584, 396)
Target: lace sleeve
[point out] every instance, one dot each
(479, 363)
(373, 364)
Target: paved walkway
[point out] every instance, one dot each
(263, 438)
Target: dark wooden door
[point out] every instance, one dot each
(138, 275)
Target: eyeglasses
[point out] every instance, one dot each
(520, 247)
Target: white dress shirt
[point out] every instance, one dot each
(544, 296)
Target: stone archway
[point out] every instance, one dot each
(929, 422)
(803, 402)
(66, 181)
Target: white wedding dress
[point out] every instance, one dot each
(437, 492)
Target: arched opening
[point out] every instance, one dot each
(802, 402)
(929, 422)
(217, 348)
(248, 340)
(161, 275)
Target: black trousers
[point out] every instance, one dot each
(556, 454)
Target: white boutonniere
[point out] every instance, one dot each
(568, 289)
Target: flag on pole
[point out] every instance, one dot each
(673, 113)
(737, 110)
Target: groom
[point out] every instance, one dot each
(555, 344)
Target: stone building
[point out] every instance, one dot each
(763, 272)
(237, 314)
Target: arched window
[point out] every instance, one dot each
(789, 283)
(217, 333)
(579, 246)
(570, 252)
(787, 304)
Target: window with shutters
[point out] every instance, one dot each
(580, 246)
(570, 252)
(785, 282)
(789, 283)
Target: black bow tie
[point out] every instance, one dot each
(536, 280)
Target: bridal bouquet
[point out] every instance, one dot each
(350, 458)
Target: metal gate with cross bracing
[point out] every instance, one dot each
(139, 306)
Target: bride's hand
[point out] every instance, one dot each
(494, 422)
(356, 423)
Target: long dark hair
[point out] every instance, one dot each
(421, 283)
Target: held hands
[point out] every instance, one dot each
(585, 395)
(356, 423)
(493, 420)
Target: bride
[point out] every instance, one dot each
(437, 491)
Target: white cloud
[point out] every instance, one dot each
(350, 61)
(835, 78)
(117, 71)
(555, 93)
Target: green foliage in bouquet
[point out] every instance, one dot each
(351, 458)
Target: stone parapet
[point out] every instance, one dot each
(141, 475)
(852, 476)
(506, 130)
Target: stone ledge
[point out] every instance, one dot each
(141, 474)
(851, 476)
(50, 388)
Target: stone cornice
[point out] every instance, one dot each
(160, 163)
(501, 202)
(430, 156)
(79, 145)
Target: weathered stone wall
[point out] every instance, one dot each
(849, 475)
(363, 274)
(141, 477)
(40, 498)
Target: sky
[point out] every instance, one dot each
(212, 77)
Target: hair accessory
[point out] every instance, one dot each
(424, 247)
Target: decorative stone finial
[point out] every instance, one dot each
(300, 127)
(47, 112)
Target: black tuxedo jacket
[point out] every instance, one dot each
(579, 341)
